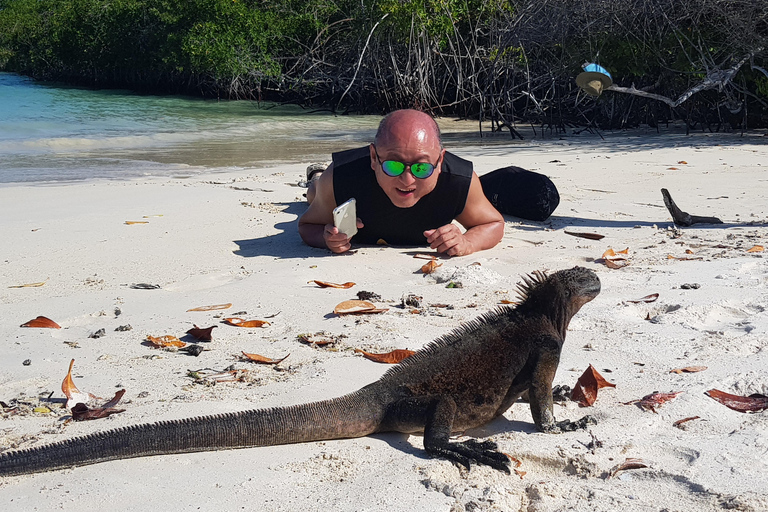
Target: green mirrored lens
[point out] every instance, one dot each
(392, 168)
(422, 170)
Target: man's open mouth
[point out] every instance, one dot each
(405, 192)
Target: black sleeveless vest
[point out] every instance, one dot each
(353, 177)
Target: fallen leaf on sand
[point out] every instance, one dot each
(393, 357)
(324, 284)
(507, 301)
(165, 341)
(356, 307)
(590, 236)
(132, 222)
(683, 258)
(202, 334)
(38, 285)
(81, 411)
(672, 168)
(616, 260)
(647, 299)
(425, 256)
(689, 369)
(650, 402)
(585, 390)
(239, 322)
(256, 358)
(74, 395)
(751, 403)
(684, 420)
(682, 162)
(430, 267)
(43, 322)
(145, 286)
(630, 463)
(211, 308)
(756, 248)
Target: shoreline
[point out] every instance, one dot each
(232, 238)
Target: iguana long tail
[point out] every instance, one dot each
(353, 415)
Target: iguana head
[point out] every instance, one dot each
(559, 295)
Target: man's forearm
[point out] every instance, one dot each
(485, 236)
(312, 234)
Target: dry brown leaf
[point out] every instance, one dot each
(74, 395)
(393, 357)
(430, 267)
(585, 390)
(590, 236)
(683, 258)
(256, 358)
(650, 402)
(81, 411)
(616, 259)
(132, 222)
(684, 420)
(507, 301)
(682, 162)
(756, 248)
(165, 341)
(647, 299)
(356, 307)
(239, 322)
(211, 308)
(689, 369)
(42, 322)
(630, 463)
(751, 403)
(202, 334)
(29, 285)
(324, 284)
(672, 168)
(688, 251)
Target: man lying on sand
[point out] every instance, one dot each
(409, 190)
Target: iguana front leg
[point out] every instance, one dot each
(540, 391)
(436, 415)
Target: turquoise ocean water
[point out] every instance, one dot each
(55, 133)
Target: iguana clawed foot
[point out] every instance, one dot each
(472, 450)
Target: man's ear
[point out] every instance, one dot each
(372, 150)
(441, 159)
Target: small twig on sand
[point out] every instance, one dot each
(682, 218)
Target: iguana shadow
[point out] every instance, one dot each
(500, 425)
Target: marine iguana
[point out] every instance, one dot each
(461, 380)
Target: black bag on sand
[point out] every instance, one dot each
(521, 193)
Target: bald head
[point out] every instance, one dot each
(408, 125)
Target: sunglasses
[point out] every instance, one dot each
(421, 170)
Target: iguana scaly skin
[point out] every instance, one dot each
(460, 381)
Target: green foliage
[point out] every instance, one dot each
(144, 39)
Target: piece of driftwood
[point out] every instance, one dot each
(682, 218)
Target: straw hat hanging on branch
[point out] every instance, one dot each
(594, 79)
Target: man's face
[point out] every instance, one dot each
(408, 143)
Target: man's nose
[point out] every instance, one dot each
(407, 175)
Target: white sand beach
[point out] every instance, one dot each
(232, 238)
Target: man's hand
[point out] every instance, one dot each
(449, 240)
(335, 241)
